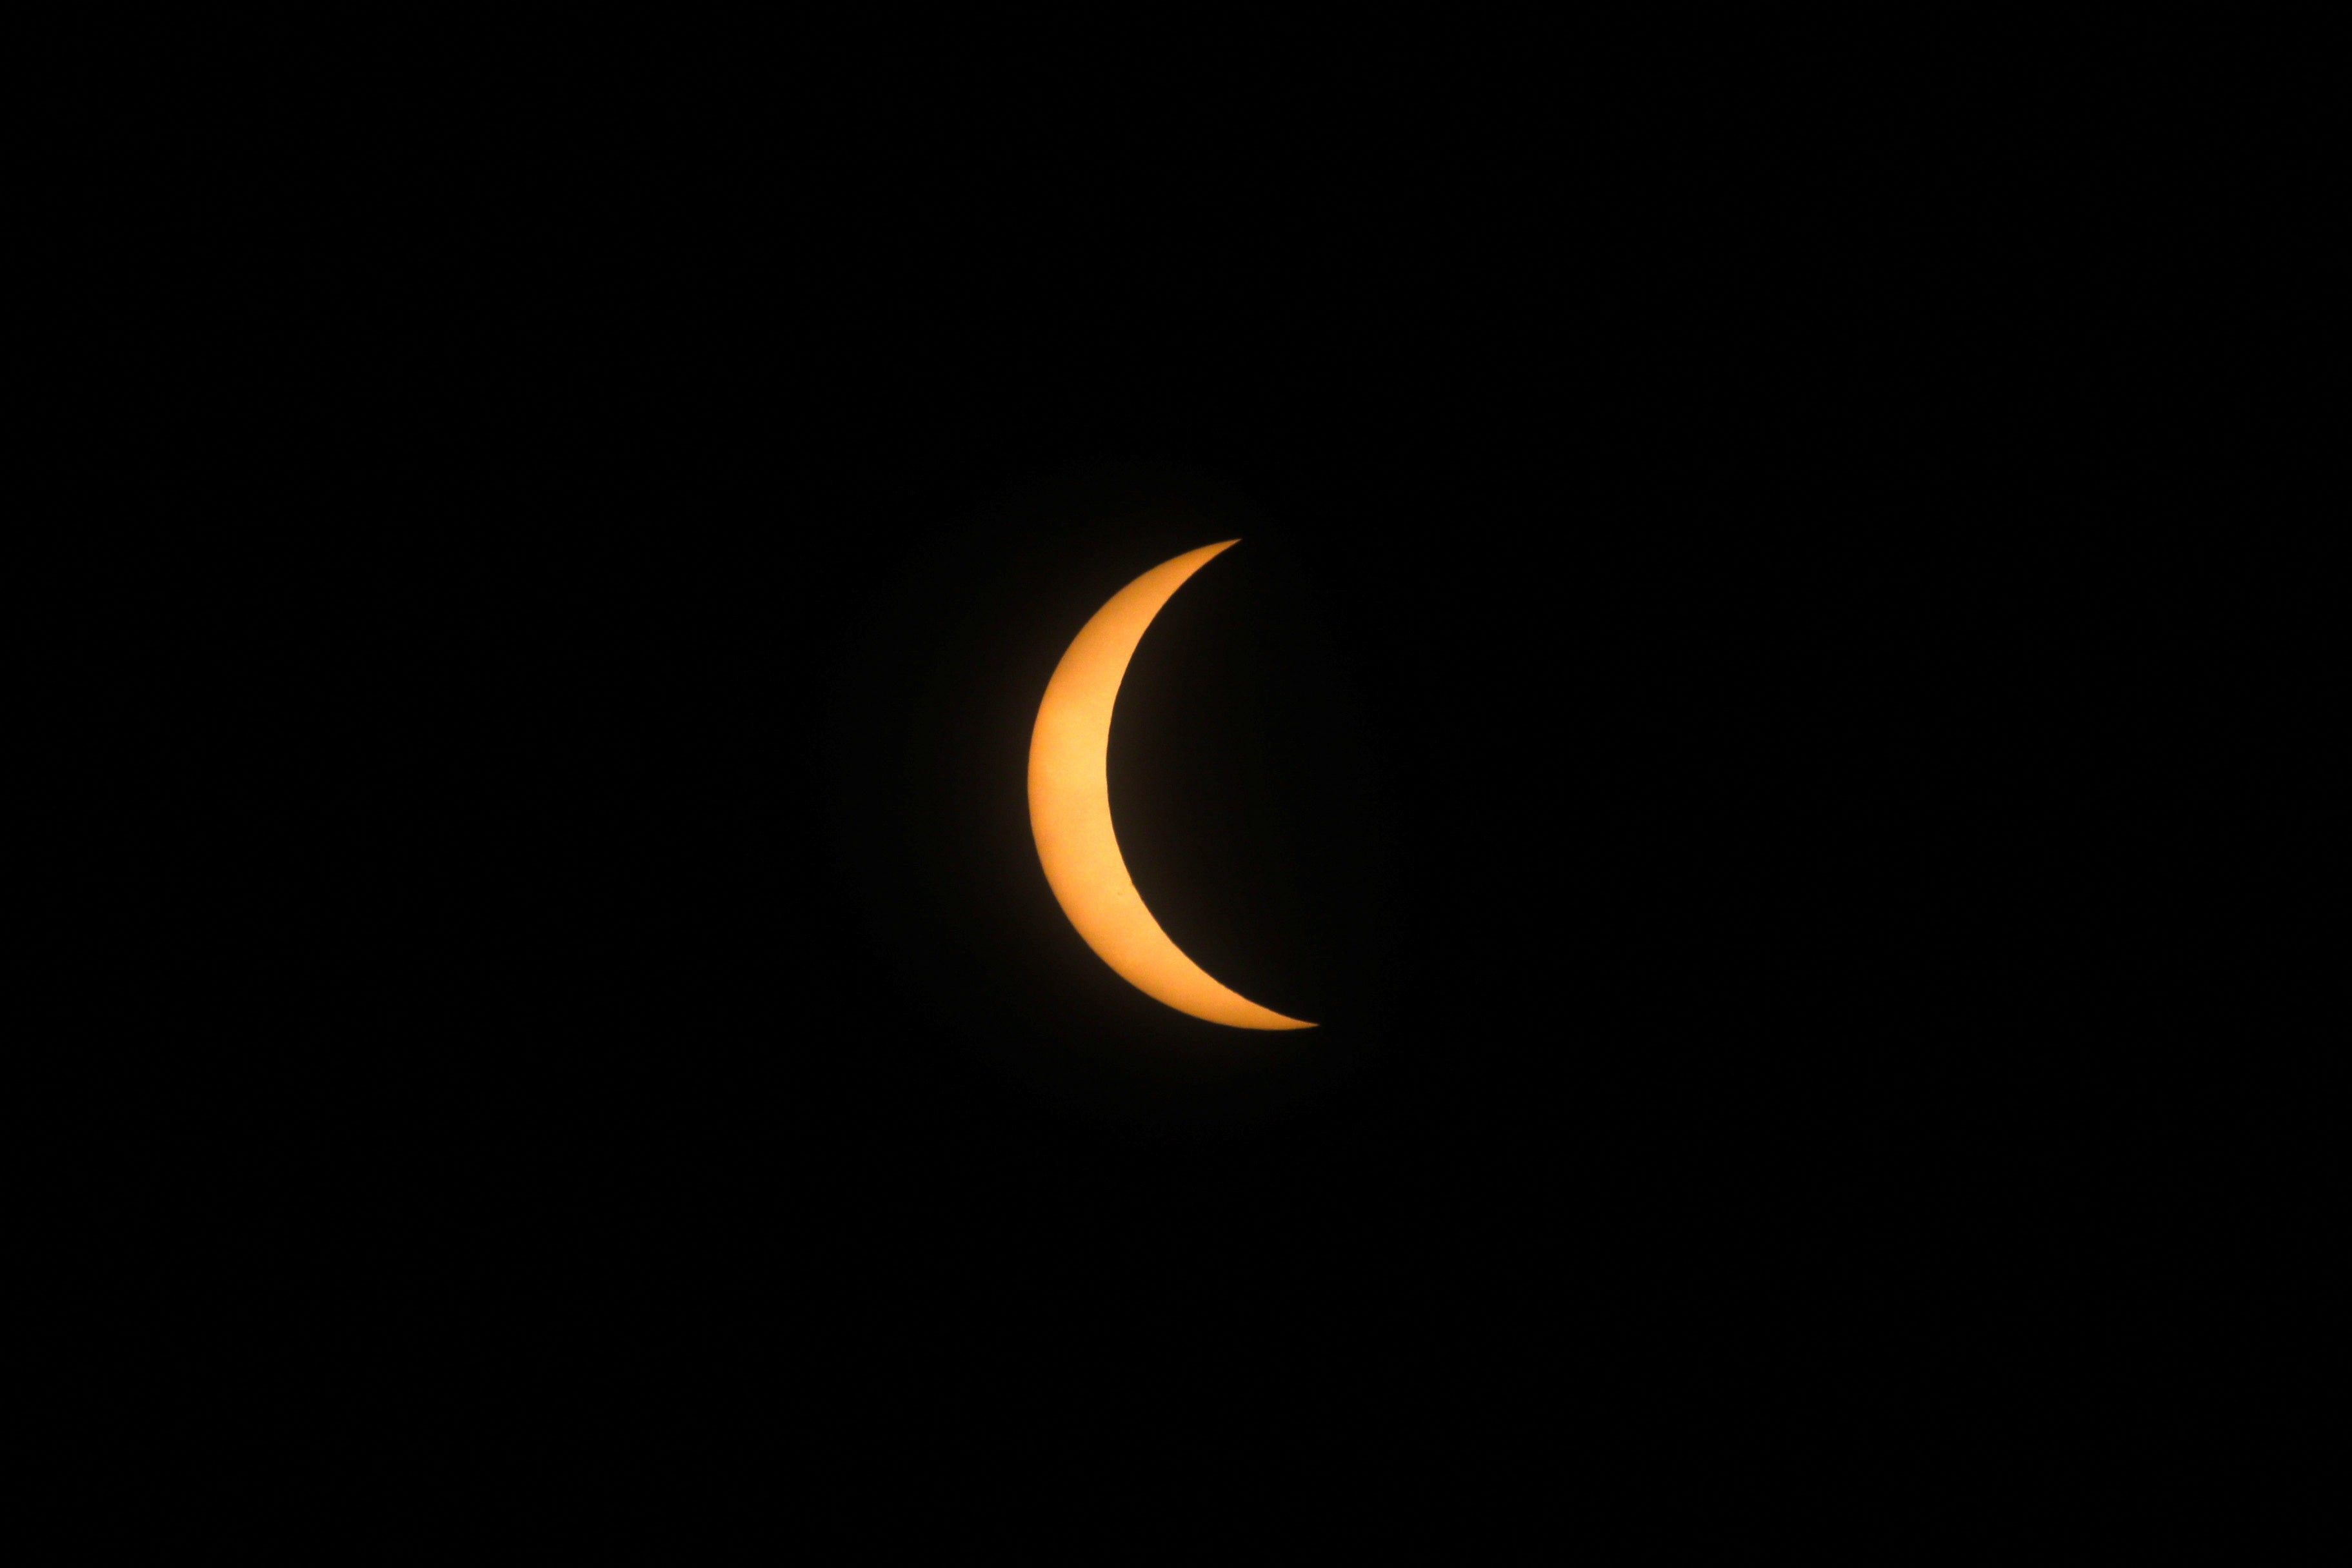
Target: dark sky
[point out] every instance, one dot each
(1698, 707)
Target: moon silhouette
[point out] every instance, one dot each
(1069, 808)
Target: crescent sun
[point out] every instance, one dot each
(1069, 808)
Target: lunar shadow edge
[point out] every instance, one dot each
(931, 713)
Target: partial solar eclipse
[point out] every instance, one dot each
(1069, 808)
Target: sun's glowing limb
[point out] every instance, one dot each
(1069, 808)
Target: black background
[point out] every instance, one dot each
(1722, 706)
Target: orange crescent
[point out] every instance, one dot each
(1069, 808)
